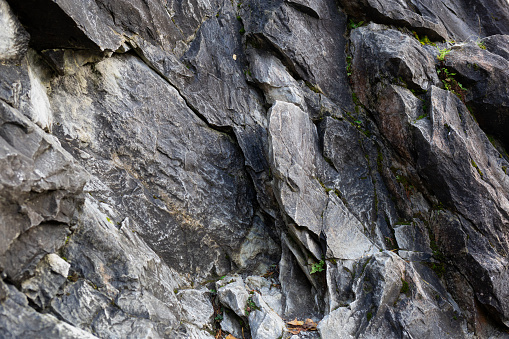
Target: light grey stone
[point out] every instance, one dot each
(197, 308)
(263, 321)
(293, 148)
(233, 294)
(13, 38)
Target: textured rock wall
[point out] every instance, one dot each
(193, 169)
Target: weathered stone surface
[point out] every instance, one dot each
(40, 189)
(293, 148)
(13, 39)
(159, 146)
(18, 320)
(486, 75)
(497, 44)
(222, 138)
(311, 46)
(344, 232)
(196, 307)
(392, 300)
(50, 274)
(230, 324)
(447, 20)
(233, 294)
(386, 54)
(263, 321)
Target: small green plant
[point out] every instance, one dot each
(318, 267)
(242, 30)
(369, 315)
(250, 306)
(481, 44)
(442, 53)
(353, 25)
(348, 65)
(424, 40)
(420, 117)
(405, 288)
(452, 84)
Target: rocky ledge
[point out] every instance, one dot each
(254, 169)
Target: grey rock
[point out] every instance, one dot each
(275, 80)
(269, 291)
(233, 294)
(486, 76)
(50, 275)
(13, 39)
(159, 155)
(386, 54)
(497, 44)
(439, 20)
(116, 269)
(197, 308)
(293, 148)
(298, 286)
(79, 304)
(114, 323)
(43, 183)
(311, 47)
(393, 309)
(344, 233)
(263, 321)
(230, 324)
(21, 321)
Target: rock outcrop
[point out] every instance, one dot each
(254, 169)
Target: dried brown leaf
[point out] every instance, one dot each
(295, 322)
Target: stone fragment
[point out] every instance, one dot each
(293, 148)
(196, 307)
(21, 321)
(230, 324)
(233, 294)
(264, 322)
(50, 274)
(344, 233)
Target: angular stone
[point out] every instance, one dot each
(293, 148)
(233, 294)
(386, 54)
(196, 307)
(486, 75)
(158, 149)
(21, 321)
(264, 322)
(439, 20)
(391, 299)
(309, 36)
(230, 324)
(50, 275)
(344, 233)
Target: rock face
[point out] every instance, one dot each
(260, 169)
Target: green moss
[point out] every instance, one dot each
(314, 88)
(477, 168)
(423, 40)
(405, 288)
(369, 315)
